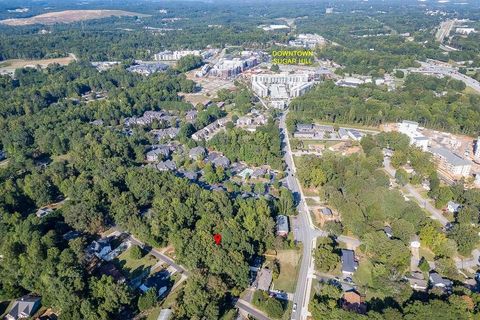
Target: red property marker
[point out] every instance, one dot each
(218, 238)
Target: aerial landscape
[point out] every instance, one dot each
(239, 159)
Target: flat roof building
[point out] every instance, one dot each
(452, 162)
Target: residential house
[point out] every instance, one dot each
(326, 211)
(438, 282)
(197, 153)
(160, 281)
(218, 160)
(168, 165)
(244, 121)
(417, 281)
(453, 207)
(23, 308)
(264, 279)
(43, 212)
(282, 225)
(70, 235)
(388, 231)
(160, 152)
(99, 248)
(191, 115)
(165, 133)
(349, 265)
(353, 301)
(259, 173)
(190, 175)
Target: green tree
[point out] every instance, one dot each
(147, 300)
(136, 253)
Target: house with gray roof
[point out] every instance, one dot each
(258, 173)
(197, 153)
(453, 207)
(25, 307)
(437, 281)
(264, 279)
(191, 115)
(326, 211)
(218, 160)
(162, 151)
(168, 165)
(43, 212)
(282, 225)
(349, 265)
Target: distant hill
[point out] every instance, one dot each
(69, 16)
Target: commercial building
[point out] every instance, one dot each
(175, 55)
(465, 31)
(308, 41)
(410, 128)
(230, 67)
(281, 86)
(452, 162)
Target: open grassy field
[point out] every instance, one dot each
(289, 264)
(69, 16)
(133, 267)
(9, 66)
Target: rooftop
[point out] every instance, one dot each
(450, 157)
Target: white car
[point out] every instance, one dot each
(294, 307)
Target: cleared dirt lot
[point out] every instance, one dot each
(9, 66)
(69, 16)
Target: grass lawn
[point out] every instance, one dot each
(425, 252)
(312, 202)
(289, 265)
(133, 267)
(363, 276)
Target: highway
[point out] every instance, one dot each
(443, 70)
(434, 212)
(444, 30)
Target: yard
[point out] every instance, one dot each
(289, 264)
(133, 268)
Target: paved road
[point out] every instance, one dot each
(157, 254)
(307, 233)
(469, 263)
(434, 212)
(250, 309)
(443, 70)
(444, 30)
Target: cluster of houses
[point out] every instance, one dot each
(326, 132)
(148, 68)
(251, 121)
(210, 130)
(149, 116)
